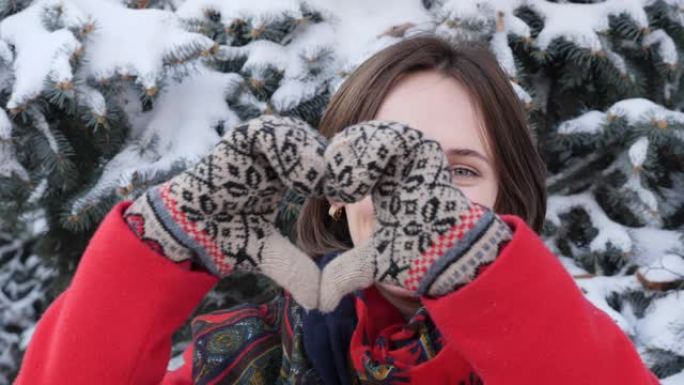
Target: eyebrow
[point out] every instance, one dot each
(466, 152)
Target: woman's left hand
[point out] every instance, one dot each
(429, 237)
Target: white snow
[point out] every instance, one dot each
(571, 266)
(643, 246)
(134, 41)
(638, 151)
(640, 110)
(504, 54)
(127, 42)
(6, 54)
(41, 124)
(646, 196)
(668, 268)
(483, 10)
(608, 230)
(514, 25)
(8, 161)
(581, 23)
(311, 45)
(663, 324)
(675, 379)
(258, 11)
(5, 126)
(92, 98)
(360, 25)
(599, 288)
(38, 192)
(646, 206)
(351, 32)
(522, 94)
(26, 336)
(180, 129)
(666, 46)
(292, 92)
(591, 122)
(471, 10)
(19, 309)
(676, 15)
(652, 243)
(618, 62)
(40, 54)
(262, 53)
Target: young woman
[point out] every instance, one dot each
(425, 193)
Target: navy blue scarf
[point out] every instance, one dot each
(327, 336)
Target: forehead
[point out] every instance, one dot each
(437, 105)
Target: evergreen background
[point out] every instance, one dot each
(101, 99)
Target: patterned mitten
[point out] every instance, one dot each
(220, 213)
(429, 237)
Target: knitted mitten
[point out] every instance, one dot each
(429, 237)
(220, 213)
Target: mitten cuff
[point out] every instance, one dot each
(146, 224)
(460, 264)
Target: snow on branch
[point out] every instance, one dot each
(666, 46)
(113, 40)
(151, 38)
(41, 53)
(179, 131)
(640, 110)
(258, 11)
(598, 289)
(635, 111)
(608, 230)
(8, 162)
(582, 23)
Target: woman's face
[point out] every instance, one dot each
(441, 108)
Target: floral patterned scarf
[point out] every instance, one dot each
(279, 343)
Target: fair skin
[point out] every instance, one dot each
(440, 107)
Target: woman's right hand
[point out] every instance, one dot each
(220, 212)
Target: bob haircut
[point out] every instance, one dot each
(520, 169)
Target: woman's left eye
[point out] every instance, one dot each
(458, 172)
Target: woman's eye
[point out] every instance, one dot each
(463, 172)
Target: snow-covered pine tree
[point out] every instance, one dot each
(24, 278)
(104, 98)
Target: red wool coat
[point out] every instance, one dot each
(523, 320)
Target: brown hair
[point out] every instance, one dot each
(521, 171)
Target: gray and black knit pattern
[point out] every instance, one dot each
(221, 212)
(429, 238)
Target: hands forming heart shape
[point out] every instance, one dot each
(429, 237)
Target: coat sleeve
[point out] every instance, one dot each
(523, 320)
(114, 322)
